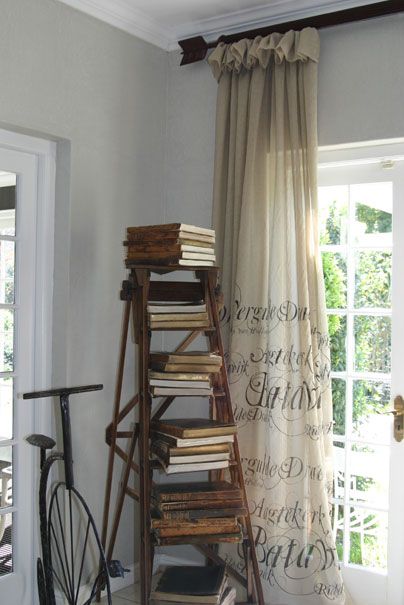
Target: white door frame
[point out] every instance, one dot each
(38, 156)
(391, 590)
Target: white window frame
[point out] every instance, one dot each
(43, 153)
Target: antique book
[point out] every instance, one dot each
(189, 428)
(172, 227)
(180, 392)
(177, 308)
(167, 246)
(168, 254)
(182, 237)
(195, 530)
(191, 584)
(221, 448)
(170, 261)
(181, 321)
(183, 505)
(203, 377)
(169, 458)
(178, 316)
(200, 490)
(185, 367)
(178, 442)
(187, 357)
(180, 384)
(205, 539)
(171, 469)
(201, 513)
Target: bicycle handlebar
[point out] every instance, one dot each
(63, 392)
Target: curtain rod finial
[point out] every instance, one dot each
(193, 50)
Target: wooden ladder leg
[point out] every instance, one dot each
(212, 276)
(143, 280)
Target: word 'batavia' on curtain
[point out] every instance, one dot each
(265, 214)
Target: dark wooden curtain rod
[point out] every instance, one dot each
(196, 49)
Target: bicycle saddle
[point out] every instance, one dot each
(42, 441)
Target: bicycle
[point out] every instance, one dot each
(72, 555)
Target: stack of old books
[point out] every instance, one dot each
(178, 374)
(197, 512)
(194, 585)
(191, 444)
(171, 244)
(182, 315)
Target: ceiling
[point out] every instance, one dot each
(164, 22)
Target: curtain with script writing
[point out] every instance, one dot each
(274, 320)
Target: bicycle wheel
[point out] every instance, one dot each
(76, 556)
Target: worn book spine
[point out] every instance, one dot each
(179, 376)
(179, 308)
(190, 433)
(196, 530)
(211, 359)
(185, 367)
(213, 490)
(170, 236)
(180, 392)
(171, 227)
(189, 451)
(183, 323)
(180, 384)
(205, 539)
(167, 246)
(182, 525)
(171, 469)
(178, 316)
(193, 504)
(202, 513)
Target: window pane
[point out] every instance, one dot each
(368, 538)
(369, 399)
(333, 212)
(373, 279)
(334, 269)
(373, 213)
(339, 470)
(337, 332)
(6, 548)
(6, 272)
(7, 203)
(337, 520)
(6, 340)
(338, 388)
(372, 343)
(6, 408)
(369, 475)
(6, 496)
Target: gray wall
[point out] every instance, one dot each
(69, 76)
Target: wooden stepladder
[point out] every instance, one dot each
(136, 292)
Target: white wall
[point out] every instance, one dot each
(361, 91)
(71, 77)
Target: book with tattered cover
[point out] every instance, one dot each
(191, 584)
(187, 428)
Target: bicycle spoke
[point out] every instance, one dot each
(82, 561)
(61, 585)
(71, 540)
(94, 589)
(64, 543)
(60, 559)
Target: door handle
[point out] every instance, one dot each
(398, 414)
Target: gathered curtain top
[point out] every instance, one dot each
(291, 47)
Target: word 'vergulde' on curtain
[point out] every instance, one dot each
(274, 319)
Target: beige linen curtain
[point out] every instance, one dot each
(265, 214)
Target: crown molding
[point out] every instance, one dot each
(279, 11)
(122, 14)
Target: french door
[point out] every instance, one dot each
(361, 200)
(23, 355)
